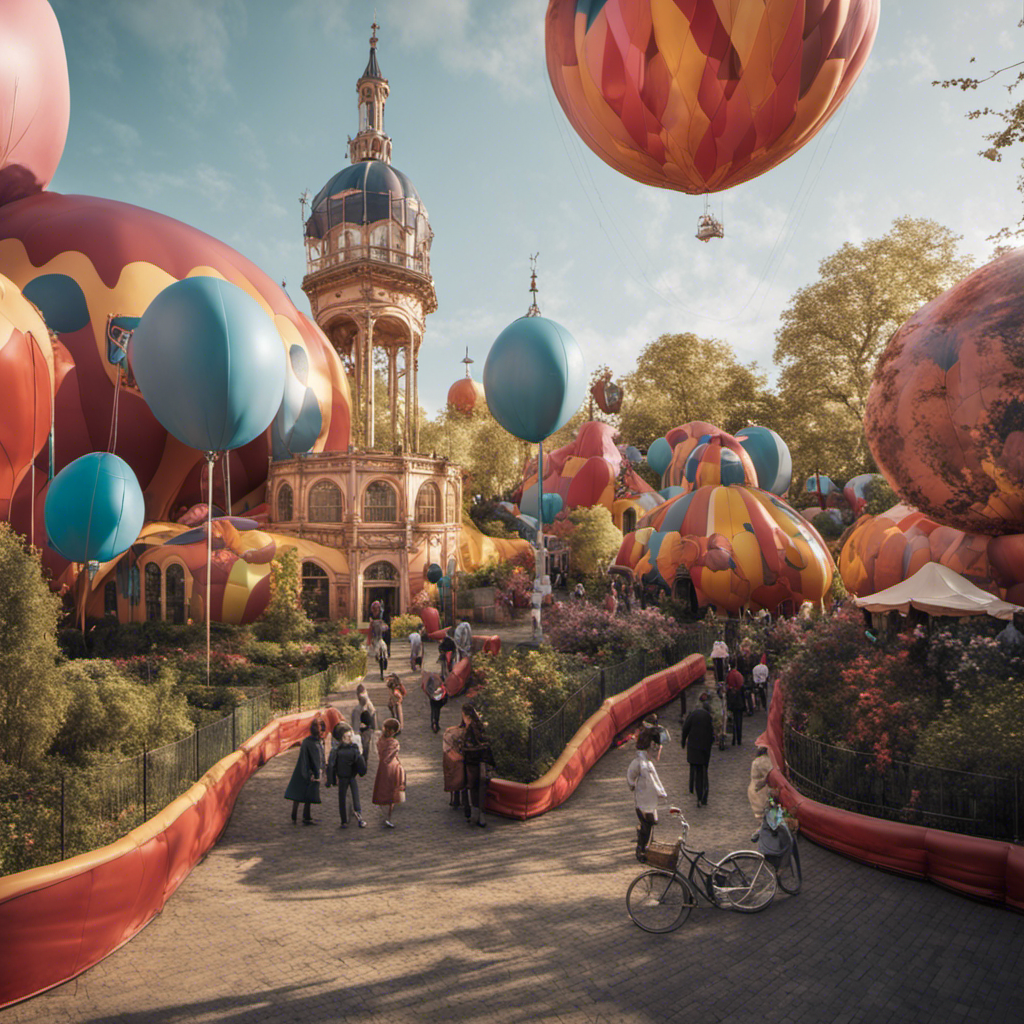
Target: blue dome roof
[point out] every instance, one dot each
(363, 193)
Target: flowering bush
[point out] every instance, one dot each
(597, 635)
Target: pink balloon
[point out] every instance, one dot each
(35, 100)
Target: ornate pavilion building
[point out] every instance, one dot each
(390, 512)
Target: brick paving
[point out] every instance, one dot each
(526, 921)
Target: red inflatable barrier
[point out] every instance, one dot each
(432, 620)
(594, 737)
(985, 868)
(56, 921)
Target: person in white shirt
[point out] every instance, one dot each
(760, 676)
(648, 792)
(720, 659)
(416, 651)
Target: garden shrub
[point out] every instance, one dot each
(598, 636)
(403, 625)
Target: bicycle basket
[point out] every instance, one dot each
(664, 855)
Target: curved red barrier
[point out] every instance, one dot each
(56, 921)
(592, 739)
(432, 620)
(985, 868)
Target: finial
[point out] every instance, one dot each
(373, 29)
(467, 360)
(534, 309)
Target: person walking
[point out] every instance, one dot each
(476, 756)
(645, 785)
(389, 782)
(446, 655)
(364, 714)
(304, 785)
(720, 659)
(396, 693)
(377, 648)
(452, 766)
(757, 789)
(735, 702)
(436, 693)
(698, 737)
(760, 677)
(416, 650)
(463, 640)
(344, 767)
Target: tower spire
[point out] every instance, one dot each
(534, 309)
(467, 361)
(371, 141)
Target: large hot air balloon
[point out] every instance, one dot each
(699, 95)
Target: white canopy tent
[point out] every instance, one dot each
(938, 590)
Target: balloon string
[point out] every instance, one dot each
(112, 436)
(210, 458)
(32, 479)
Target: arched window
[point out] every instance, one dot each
(381, 572)
(629, 520)
(316, 593)
(325, 503)
(154, 609)
(110, 598)
(428, 504)
(379, 243)
(176, 594)
(380, 503)
(285, 504)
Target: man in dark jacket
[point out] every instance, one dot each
(699, 737)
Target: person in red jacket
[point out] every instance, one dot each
(736, 702)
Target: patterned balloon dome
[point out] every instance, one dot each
(466, 396)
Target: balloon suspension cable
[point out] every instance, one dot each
(211, 458)
(226, 470)
(538, 583)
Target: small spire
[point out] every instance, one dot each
(534, 309)
(372, 67)
(467, 361)
(373, 38)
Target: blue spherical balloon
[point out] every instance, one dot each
(434, 572)
(94, 508)
(534, 377)
(210, 363)
(659, 455)
(771, 458)
(551, 505)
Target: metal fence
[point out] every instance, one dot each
(981, 805)
(547, 739)
(104, 802)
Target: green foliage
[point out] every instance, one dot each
(880, 496)
(833, 331)
(682, 377)
(32, 701)
(596, 635)
(111, 713)
(403, 625)
(285, 618)
(595, 541)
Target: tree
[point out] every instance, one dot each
(594, 542)
(682, 377)
(833, 331)
(285, 618)
(33, 702)
(1012, 131)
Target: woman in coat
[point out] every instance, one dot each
(476, 755)
(452, 764)
(304, 786)
(389, 783)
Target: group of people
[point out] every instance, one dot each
(744, 680)
(348, 763)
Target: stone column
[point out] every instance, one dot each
(393, 392)
(368, 357)
(408, 435)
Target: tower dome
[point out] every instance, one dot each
(467, 395)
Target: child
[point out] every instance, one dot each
(396, 692)
(345, 765)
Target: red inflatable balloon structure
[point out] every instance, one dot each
(699, 95)
(35, 101)
(945, 414)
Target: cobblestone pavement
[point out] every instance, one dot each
(525, 921)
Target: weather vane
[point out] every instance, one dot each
(534, 309)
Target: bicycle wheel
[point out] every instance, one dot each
(744, 881)
(789, 876)
(659, 901)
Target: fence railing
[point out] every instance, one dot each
(990, 806)
(102, 803)
(547, 739)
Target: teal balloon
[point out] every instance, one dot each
(551, 505)
(94, 509)
(659, 455)
(771, 458)
(534, 377)
(434, 572)
(210, 363)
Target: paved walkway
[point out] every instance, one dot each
(525, 921)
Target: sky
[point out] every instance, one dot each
(221, 113)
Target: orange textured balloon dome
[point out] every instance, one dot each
(466, 396)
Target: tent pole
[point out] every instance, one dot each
(210, 459)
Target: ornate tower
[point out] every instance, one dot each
(368, 271)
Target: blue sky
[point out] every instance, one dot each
(222, 112)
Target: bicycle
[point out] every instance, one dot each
(661, 898)
(778, 846)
